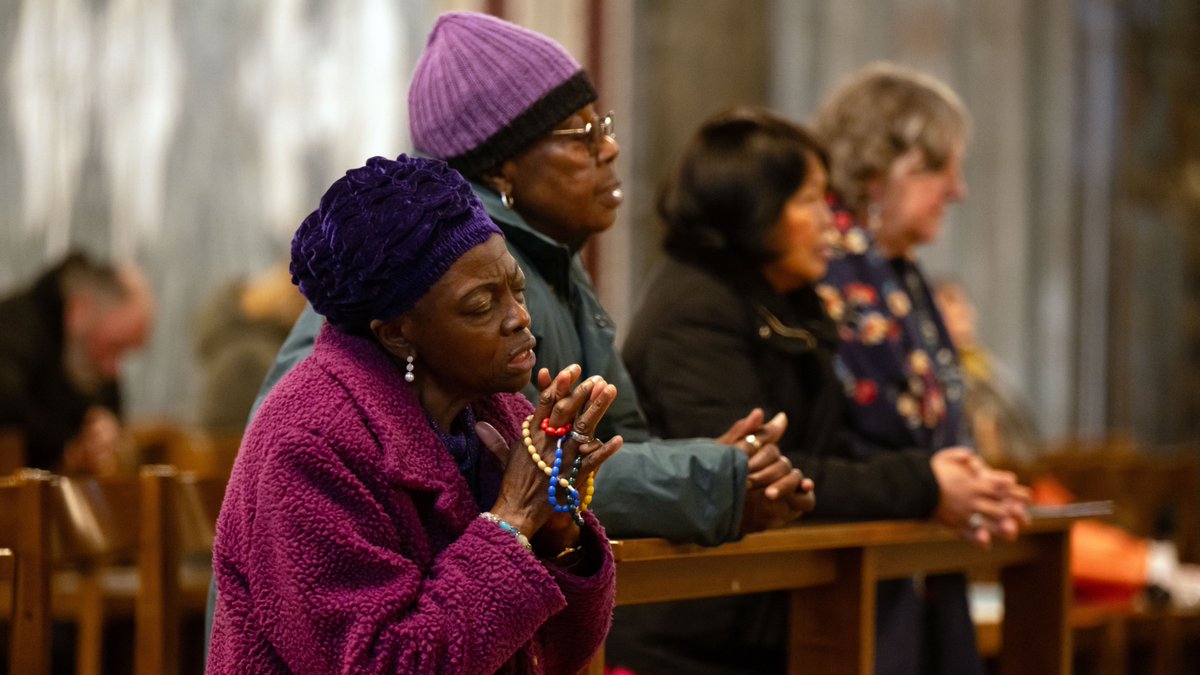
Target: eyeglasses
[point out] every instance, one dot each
(594, 131)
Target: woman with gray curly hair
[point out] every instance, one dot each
(389, 510)
(896, 139)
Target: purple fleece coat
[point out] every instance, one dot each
(350, 543)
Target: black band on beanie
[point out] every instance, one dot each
(539, 119)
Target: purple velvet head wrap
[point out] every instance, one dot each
(382, 236)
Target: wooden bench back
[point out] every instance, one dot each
(25, 513)
(188, 449)
(96, 520)
(153, 521)
(1154, 493)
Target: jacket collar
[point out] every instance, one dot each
(794, 322)
(550, 258)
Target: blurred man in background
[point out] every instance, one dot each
(62, 343)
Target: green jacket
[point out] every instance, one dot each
(688, 490)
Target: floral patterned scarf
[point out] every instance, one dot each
(896, 362)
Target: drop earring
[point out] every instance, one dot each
(506, 199)
(408, 369)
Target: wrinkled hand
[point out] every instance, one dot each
(762, 511)
(738, 434)
(95, 449)
(977, 500)
(776, 493)
(523, 494)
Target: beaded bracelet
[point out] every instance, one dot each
(507, 527)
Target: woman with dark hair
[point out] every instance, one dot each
(732, 320)
(389, 510)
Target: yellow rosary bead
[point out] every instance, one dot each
(533, 453)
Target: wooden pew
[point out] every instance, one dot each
(124, 547)
(830, 572)
(187, 448)
(1148, 487)
(25, 510)
(164, 523)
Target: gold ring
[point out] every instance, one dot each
(753, 441)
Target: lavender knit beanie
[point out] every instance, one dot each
(382, 236)
(484, 89)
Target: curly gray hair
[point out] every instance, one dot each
(880, 113)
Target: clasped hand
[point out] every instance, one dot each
(776, 492)
(523, 501)
(96, 448)
(976, 500)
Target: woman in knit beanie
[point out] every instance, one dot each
(512, 109)
(516, 114)
(388, 512)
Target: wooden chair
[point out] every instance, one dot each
(8, 587)
(25, 512)
(138, 547)
(96, 533)
(89, 550)
(8, 577)
(178, 522)
(188, 449)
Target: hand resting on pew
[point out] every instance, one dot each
(976, 500)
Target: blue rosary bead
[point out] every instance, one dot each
(572, 505)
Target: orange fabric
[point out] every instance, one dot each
(1047, 491)
(1107, 563)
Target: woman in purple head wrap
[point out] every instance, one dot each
(396, 506)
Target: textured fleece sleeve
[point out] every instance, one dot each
(333, 591)
(576, 633)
